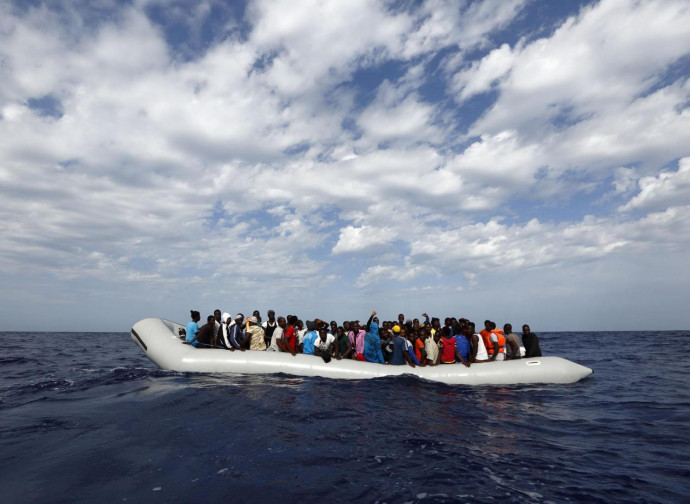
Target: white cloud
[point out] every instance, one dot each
(355, 239)
(667, 189)
(595, 63)
(484, 74)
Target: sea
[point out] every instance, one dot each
(87, 418)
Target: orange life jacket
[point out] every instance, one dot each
(486, 336)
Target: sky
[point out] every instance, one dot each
(522, 161)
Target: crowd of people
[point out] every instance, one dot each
(415, 342)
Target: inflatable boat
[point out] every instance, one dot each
(160, 341)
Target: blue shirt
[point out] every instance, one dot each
(463, 346)
(372, 345)
(192, 329)
(308, 342)
(399, 347)
(235, 335)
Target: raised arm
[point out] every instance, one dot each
(371, 317)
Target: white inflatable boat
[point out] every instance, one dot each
(160, 341)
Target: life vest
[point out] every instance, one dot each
(486, 337)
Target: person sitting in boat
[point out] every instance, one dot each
(276, 334)
(419, 346)
(406, 334)
(324, 345)
(344, 345)
(301, 331)
(447, 346)
(531, 342)
(254, 337)
(192, 328)
(478, 349)
(288, 343)
(463, 345)
(399, 354)
(357, 336)
(217, 327)
(257, 314)
(372, 341)
(430, 347)
(307, 344)
(512, 343)
(224, 332)
(235, 332)
(269, 327)
(204, 337)
(495, 343)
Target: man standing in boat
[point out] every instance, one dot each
(268, 327)
(531, 342)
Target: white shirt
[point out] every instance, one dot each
(481, 349)
(323, 345)
(277, 335)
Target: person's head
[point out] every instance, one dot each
(435, 322)
(445, 332)
(507, 328)
(334, 327)
(492, 326)
(271, 315)
(239, 318)
(226, 318)
(300, 324)
(196, 316)
(472, 327)
(346, 326)
(375, 320)
(446, 322)
(403, 332)
(526, 329)
(355, 325)
(216, 315)
(310, 325)
(281, 322)
(423, 335)
(487, 325)
(252, 320)
(415, 323)
(396, 329)
(211, 319)
(401, 319)
(257, 314)
(323, 332)
(340, 331)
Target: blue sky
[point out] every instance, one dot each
(523, 161)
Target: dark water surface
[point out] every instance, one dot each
(86, 417)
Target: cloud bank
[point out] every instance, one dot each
(482, 158)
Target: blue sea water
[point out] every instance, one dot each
(86, 417)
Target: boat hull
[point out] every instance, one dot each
(160, 341)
